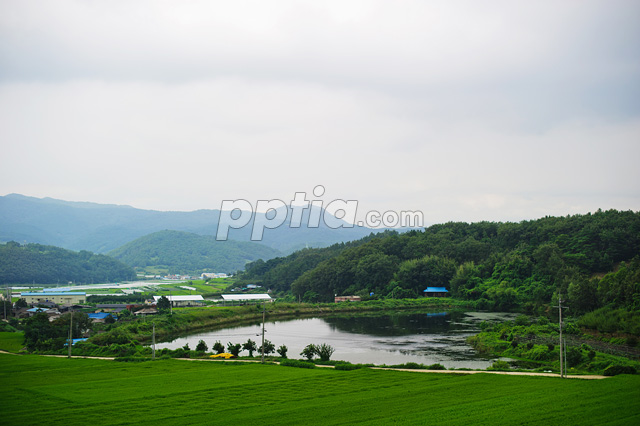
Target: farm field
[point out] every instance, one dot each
(40, 389)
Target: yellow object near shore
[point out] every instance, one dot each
(222, 355)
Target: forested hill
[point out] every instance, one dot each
(50, 265)
(500, 265)
(184, 252)
(278, 274)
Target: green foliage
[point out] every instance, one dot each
(269, 347)
(183, 252)
(250, 346)
(42, 335)
(609, 320)
(201, 346)
(282, 351)
(500, 266)
(72, 392)
(234, 349)
(309, 351)
(49, 265)
(296, 363)
(164, 305)
(324, 351)
(11, 341)
(614, 370)
(499, 365)
(218, 347)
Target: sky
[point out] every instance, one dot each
(463, 110)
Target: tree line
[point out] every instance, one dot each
(592, 260)
(37, 263)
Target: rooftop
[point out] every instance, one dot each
(246, 297)
(192, 298)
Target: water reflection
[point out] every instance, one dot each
(391, 338)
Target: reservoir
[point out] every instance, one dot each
(373, 338)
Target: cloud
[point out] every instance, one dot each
(465, 110)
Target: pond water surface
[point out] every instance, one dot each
(392, 338)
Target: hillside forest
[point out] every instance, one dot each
(37, 263)
(592, 260)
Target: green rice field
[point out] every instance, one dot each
(46, 390)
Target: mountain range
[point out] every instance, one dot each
(101, 228)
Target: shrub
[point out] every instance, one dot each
(309, 351)
(538, 352)
(282, 351)
(347, 366)
(574, 356)
(614, 370)
(297, 363)
(218, 347)
(436, 367)
(522, 320)
(325, 351)
(234, 349)
(131, 359)
(202, 346)
(499, 365)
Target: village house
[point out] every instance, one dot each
(436, 292)
(179, 301)
(60, 298)
(347, 299)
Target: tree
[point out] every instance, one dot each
(163, 305)
(40, 334)
(202, 346)
(250, 346)
(218, 347)
(268, 347)
(309, 351)
(81, 324)
(21, 303)
(325, 351)
(234, 349)
(282, 351)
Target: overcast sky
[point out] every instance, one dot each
(465, 110)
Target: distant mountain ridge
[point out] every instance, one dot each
(184, 252)
(101, 228)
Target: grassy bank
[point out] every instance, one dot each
(534, 344)
(193, 319)
(169, 392)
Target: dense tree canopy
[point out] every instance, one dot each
(593, 260)
(50, 265)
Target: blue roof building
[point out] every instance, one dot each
(436, 292)
(100, 316)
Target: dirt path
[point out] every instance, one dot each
(507, 373)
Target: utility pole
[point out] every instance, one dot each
(560, 307)
(70, 334)
(263, 315)
(154, 341)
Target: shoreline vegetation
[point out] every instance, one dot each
(531, 344)
(186, 320)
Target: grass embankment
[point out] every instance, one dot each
(192, 319)
(534, 345)
(11, 342)
(169, 392)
